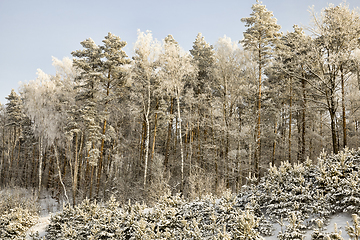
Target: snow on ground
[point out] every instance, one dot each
(40, 227)
(340, 219)
(49, 206)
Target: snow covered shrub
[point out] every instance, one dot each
(287, 188)
(15, 222)
(245, 227)
(319, 235)
(18, 197)
(293, 229)
(18, 212)
(88, 220)
(354, 231)
(338, 181)
(307, 191)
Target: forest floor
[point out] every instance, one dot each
(340, 219)
(50, 206)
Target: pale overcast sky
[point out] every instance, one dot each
(32, 31)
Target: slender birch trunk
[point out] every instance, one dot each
(343, 107)
(147, 140)
(40, 164)
(59, 172)
(180, 139)
(166, 161)
(155, 129)
(258, 141)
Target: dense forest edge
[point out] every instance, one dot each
(243, 116)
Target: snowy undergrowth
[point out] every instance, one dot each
(299, 200)
(18, 212)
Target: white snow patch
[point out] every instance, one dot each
(40, 227)
(340, 219)
(49, 206)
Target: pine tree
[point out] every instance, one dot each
(15, 117)
(292, 230)
(260, 35)
(113, 79)
(89, 63)
(290, 56)
(200, 99)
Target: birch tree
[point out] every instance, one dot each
(227, 72)
(175, 68)
(147, 51)
(42, 104)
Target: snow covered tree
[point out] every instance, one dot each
(229, 73)
(175, 68)
(114, 77)
(147, 51)
(199, 102)
(102, 73)
(292, 230)
(245, 228)
(42, 104)
(354, 231)
(259, 37)
(336, 37)
(88, 62)
(290, 55)
(15, 117)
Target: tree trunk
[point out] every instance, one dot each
(166, 161)
(321, 130)
(303, 121)
(59, 172)
(332, 112)
(274, 144)
(290, 119)
(142, 146)
(343, 108)
(226, 140)
(91, 181)
(180, 139)
(101, 157)
(40, 164)
(147, 140)
(155, 129)
(333, 131)
(76, 164)
(258, 141)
